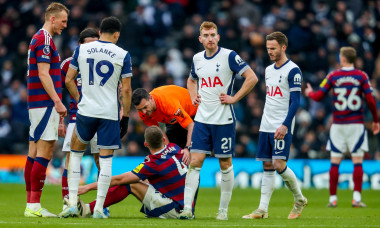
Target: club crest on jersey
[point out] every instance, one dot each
(211, 82)
(238, 60)
(297, 79)
(46, 50)
(217, 67)
(272, 91)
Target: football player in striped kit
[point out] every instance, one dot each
(45, 105)
(347, 133)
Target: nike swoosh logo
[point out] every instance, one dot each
(39, 215)
(225, 151)
(278, 152)
(199, 68)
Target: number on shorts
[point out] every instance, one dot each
(353, 101)
(279, 144)
(182, 168)
(226, 143)
(98, 71)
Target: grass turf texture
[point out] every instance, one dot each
(126, 213)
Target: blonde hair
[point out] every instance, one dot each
(349, 53)
(208, 25)
(55, 8)
(279, 37)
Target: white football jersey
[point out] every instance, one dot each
(279, 83)
(101, 64)
(216, 75)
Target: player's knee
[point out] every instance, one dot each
(268, 165)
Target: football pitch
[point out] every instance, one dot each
(126, 213)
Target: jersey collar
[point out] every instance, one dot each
(47, 32)
(101, 41)
(212, 55)
(160, 150)
(281, 65)
(347, 68)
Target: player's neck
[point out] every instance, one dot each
(154, 105)
(107, 38)
(281, 61)
(48, 27)
(347, 65)
(211, 52)
(153, 151)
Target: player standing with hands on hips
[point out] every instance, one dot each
(45, 106)
(283, 81)
(347, 133)
(215, 69)
(101, 64)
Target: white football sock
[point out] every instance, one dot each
(191, 186)
(357, 196)
(226, 186)
(104, 181)
(34, 206)
(291, 182)
(333, 198)
(267, 188)
(73, 176)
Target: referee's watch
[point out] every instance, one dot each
(187, 147)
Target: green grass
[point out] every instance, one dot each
(126, 213)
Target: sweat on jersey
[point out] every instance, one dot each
(101, 64)
(165, 171)
(348, 86)
(216, 75)
(174, 105)
(280, 82)
(42, 49)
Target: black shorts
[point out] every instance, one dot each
(176, 134)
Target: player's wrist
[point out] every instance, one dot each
(187, 147)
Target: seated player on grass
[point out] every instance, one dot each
(165, 169)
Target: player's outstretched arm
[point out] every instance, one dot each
(125, 178)
(70, 83)
(47, 83)
(249, 82)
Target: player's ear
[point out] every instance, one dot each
(200, 39)
(145, 144)
(163, 140)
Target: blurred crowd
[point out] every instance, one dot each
(162, 37)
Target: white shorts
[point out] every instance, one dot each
(69, 134)
(155, 204)
(43, 124)
(347, 138)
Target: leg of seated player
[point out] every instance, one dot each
(226, 184)
(28, 170)
(105, 175)
(336, 159)
(358, 180)
(192, 179)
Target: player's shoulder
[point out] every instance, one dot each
(65, 63)
(199, 56)
(43, 37)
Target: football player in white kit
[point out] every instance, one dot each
(102, 64)
(215, 69)
(283, 82)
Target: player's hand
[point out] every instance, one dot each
(123, 126)
(61, 128)
(375, 128)
(280, 132)
(197, 100)
(83, 190)
(186, 156)
(60, 108)
(226, 99)
(308, 89)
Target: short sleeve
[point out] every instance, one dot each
(126, 71)
(74, 62)
(295, 79)
(193, 75)
(43, 51)
(237, 65)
